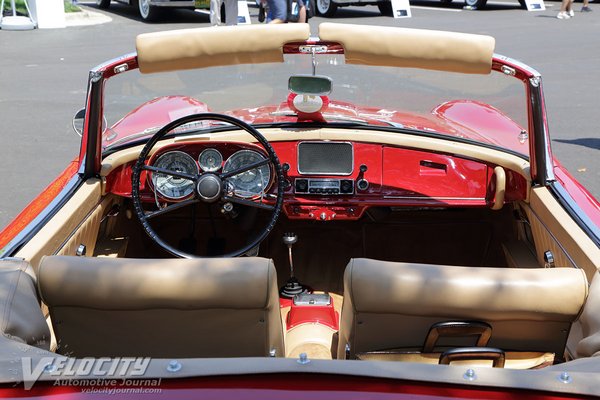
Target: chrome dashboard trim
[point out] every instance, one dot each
(324, 173)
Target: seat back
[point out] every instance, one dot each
(105, 307)
(391, 305)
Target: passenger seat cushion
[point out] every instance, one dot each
(555, 294)
(21, 317)
(392, 305)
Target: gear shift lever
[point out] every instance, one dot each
(290, 239)
(292, 286)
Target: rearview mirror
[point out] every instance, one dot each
(309, 84)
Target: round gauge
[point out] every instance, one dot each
(210, 160)
(169, 186)
(249, 183)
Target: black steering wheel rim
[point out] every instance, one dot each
(141, 163)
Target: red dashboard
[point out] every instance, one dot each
(340, 180)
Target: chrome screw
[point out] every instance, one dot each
(470, 375)
(303, 359)
(174, 366)
(50, 368)
(565, 377)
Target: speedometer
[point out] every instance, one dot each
(169, 186)
(248, 183)
(210, 160)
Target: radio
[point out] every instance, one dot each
(324, 186)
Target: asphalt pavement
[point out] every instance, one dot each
(43, 75)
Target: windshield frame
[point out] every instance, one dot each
(541, 159)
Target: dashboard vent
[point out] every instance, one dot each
(325, 158)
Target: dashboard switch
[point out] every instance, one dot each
(346, 186)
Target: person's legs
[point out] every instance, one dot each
(586, 6)
(278, 10)
(302, 11)
(231, 12)
(215, 12)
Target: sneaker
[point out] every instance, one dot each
(571, 13)
(563, 15)
(586, 9)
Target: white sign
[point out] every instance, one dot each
(48, 13)
(243, 13)
(401, 8)
(535, 5)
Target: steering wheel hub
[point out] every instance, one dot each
(209, 187)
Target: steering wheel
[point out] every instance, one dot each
(209, 187)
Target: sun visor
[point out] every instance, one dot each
(412, 48)
(215, 46)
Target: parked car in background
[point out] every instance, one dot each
(152, 10)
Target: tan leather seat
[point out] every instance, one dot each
(163, 308)
(392, 306)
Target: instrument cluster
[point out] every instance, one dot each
(217, 159)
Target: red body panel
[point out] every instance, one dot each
(311, 314)
(38, 204)
(285, 386)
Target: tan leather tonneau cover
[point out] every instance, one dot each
(412, 48)
(214, 46)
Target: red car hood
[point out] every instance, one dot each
(460, 118)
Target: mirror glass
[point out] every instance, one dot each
(78, 120)
(309, 84)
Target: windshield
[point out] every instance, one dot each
(490, 109)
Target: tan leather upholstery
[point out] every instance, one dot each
(590, 322)
(412, 48)
(210, 47)
(163, 308)
(391, 305)
(21, 317)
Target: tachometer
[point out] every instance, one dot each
(249, 183)
(169, 186)
(210, 160)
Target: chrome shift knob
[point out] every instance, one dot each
(290, 238)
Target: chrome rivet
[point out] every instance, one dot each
(50, 368)
(565, 377)
(470, 375)
(81, 250)
(303, 359)
(174, 366)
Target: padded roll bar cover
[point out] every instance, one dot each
(21, 317)
(412, 48)
(215, 46)
(139, 284)
(479, 293)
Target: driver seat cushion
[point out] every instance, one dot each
(393, 305)
(219, 307)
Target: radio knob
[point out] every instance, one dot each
(362, 184)
(301, 185)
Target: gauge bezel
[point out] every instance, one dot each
(151, 177)
(269, 167)
(210, 169)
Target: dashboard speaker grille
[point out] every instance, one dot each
(325, 158)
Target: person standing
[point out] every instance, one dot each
(231, 12)
(586, 6)
(566, 10)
